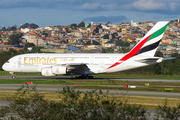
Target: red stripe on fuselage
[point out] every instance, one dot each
(131, 53)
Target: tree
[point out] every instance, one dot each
(122, 43)
(99, 26)
(106, 36)
(3, 29)
(32, 25)
(158, 54)
(114, 35)
(73, 26)
(36, 49)
(15, 38)
(43, 33)
(108, 50)
(123, 50)
(82, 24)
(27, 25)
(157, 69)
(111, 41)
(13, 28)
(28, 45)
(12, 51)
(175, 55)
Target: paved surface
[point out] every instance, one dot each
(55, 88)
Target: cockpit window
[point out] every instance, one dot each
(7, 61)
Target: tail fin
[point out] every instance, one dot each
(148, 45)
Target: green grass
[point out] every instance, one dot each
(22, 81)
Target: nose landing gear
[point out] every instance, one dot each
(13, 75)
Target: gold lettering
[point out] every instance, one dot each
(65, 59)
(32, 60)
(51, 60)
(72, 59)
(25, 58)
(47, 60)
(55, 60)
(38, 60)
(44, 61)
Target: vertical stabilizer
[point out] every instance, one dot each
(148, 45)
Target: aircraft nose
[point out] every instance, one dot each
(5, 66)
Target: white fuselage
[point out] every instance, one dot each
(50, 64)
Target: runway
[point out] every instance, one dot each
(55, 88)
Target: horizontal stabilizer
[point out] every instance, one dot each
(150, 60)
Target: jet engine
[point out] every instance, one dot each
(47, 72)
(53, 71)
(59, 70)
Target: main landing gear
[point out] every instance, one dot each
(13, 75)
(82, 77)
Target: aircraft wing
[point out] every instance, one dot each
(74, 64)
(76, 68)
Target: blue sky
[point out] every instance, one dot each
(65, 12)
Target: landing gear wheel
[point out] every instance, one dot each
(91, 77)
(73, 77)
(13, 77)
(85, 77)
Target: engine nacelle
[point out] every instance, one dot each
(59, 70)
(47, 72)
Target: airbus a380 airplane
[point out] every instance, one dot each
(85, 64)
